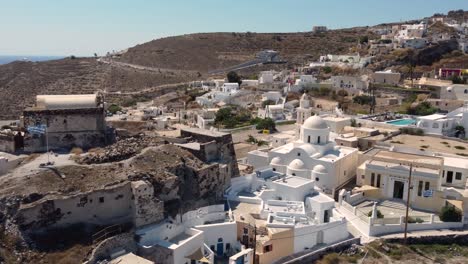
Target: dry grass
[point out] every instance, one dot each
(76, 151)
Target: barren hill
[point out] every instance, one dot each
(210, 51)
(20, 82)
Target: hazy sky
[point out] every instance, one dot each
(82, 27)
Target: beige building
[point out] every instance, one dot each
(386, 77)
(436, 180)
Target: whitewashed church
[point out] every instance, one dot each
(312, 155)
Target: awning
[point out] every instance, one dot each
(458, 204)
(198, 255)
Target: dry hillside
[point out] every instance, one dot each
(20, 82)
(209, 51)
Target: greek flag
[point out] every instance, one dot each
(39, 129)
(428, 193)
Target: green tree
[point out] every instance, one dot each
(363, 39)
(450, 214)
(223, 115)
(233, 77)
(266, 124)
(327, 69)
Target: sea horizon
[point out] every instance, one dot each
(5, 59)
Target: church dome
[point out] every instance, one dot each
(320, 169)
(276, 161)
(296, 164)
(315, 122)
(309, 149)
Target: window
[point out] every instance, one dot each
(267, 248)
(228, 246)
(246, 231)
(466, 91)
(378, 181)
(101, 199)
(274, 169)
(308, 139)
(363, 176)
(318, 140)
(458, 176)
(372, 179)
(435, 125)
(426, 186)
(420, 185)
(294, 174)
(212, 248)
(298, 154)
(220, 240)
(317, 179)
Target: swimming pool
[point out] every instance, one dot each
(402, 122)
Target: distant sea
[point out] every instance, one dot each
(8, 59)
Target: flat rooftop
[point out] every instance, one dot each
(433, 117)
(293, 181)
(294, 207)
(402, 167)
(205, 132)
(399, 157)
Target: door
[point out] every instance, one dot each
(326, 216)
(398, 189)
(449, 176)
(220, 249)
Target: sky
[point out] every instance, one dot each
(85, 27)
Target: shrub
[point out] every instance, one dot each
(327, 69)
(460, 147)
(363, 99)
(353, 122)
(379, 214)
(267, 102)
(418, 220)
(412, 131)
(233, 77)
(114, 109)
(450, 214)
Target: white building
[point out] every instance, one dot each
(413, 43)
(273, 96)
(437, 124)
(455, 92)
(313, 156)
(206, 119)
(265, 77)
(304, 110)
(351, 84)
(221, 93)
(195, 236)
(297, 217)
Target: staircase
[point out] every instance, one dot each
(396, 204)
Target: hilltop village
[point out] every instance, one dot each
(267, 160)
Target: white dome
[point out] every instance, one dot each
(276, 161)
(296, 164)
(309, 149)
(315, 122)
(320, 169)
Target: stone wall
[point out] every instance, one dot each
(147, 209)
(111, 245)
(110, 205)
(84, 128)
(121, 203)
(214, 147)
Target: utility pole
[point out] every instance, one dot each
(255, 245)
(407, 202)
